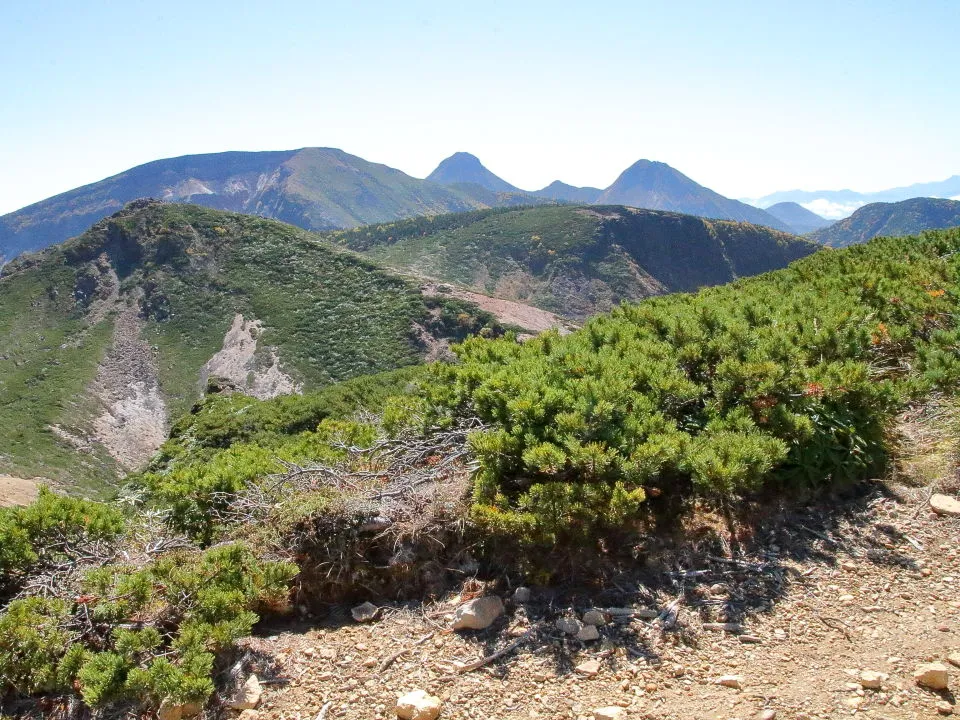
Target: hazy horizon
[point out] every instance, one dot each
(746, 102)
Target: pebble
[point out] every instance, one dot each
(247, 695)
(730, 681)
(365, 612)
(611, 712)
(588, 633)
(569, 626)
(522, 595)
(478, 614)
(932, 675)
(945, 505)
(944, 708)
(594, 617)
(954, 659)
(768, 714)
(418, 705)
(872, 680)
(589, 668)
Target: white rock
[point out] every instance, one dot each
(367, 612)
(418, 705)
(944, 707)
(768, 714)
(611, 712)
(522, 595)
(594, 617)
(730, 681)
(945, 505)
(569, 626)
(932, 675)
(588, 632)
(478, 614)
(247, 696)
(871, 680)
(249, 715)
(954, 659)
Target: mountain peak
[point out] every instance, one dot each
(657, 186)
(462, 167)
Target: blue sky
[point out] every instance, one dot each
(746, 99)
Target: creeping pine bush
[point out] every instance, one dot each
(140, 634)
(788, 378)
(48, 530)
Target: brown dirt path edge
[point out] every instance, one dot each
(17, 491)
(822, 593)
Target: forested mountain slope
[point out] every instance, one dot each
(575, 261)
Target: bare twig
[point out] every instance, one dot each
(400, 653)
(476, 664)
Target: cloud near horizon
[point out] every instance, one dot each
(832, 210)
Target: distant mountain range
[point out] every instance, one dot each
(908, 217)
(836, 204)
(801, 220)
(645, 184)
(326, 188)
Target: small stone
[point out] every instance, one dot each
(588, 668)
(749, 639)
(478, 614)
(932, 675)
(569, 626)
(418, 705)
(871, 680)
(718, 589)
(247, 695)
(954, 659)
(588, 633)
(767, 714)
(522, 595)
(370, 663)
(594, 617)
(650, 687)
(945, 505)
(367, 612)
(249, 715)
(944, 708)
(849, 566)
(611, 712)
(730, 681)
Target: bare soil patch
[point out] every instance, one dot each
(17, 491)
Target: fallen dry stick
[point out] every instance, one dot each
(400, 653)
(476, 664)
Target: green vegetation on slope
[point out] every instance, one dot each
(908, 217)
(186, 272)
(576, 261)
(786, 380)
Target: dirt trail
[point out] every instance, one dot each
(508, 312)
(17, 491)
(820, 595)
